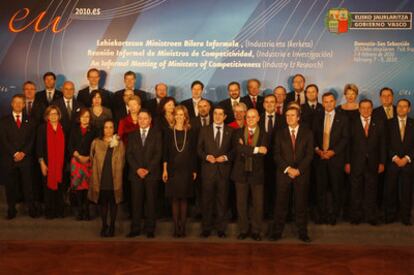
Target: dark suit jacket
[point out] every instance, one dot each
(207, 146)
(259, 104)
(379, 113)
(338, 139)
(14, 139)
(226, 104)
(371, 149)
(307, 114)
(244, 153)
(40, 104)
(304, 150)
(85, 99)
(147, 156)
(152, 106)
(188, 103)
(399, 148)
(67, 123)
(291, 96)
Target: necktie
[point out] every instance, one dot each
(402, 129)
(234, 103)
(195, 108)
(326, 132)
(69, 108)
(29, 107)
(298, 98)
(254, 102)
(18, 121)
(49, 96)
(293, 139)
(250, 138)
(143, 136)
(388, 112)
(313, 106)
(204, 121)
(217, 137)
(270, 123)
(366, 128)
(278, 110)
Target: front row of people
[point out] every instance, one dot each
(217, 154)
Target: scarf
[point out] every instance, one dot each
(55, 155)
(255, 136)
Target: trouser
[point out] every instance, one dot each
(15, 176)
(256, 191)
(364, 194)
(144, 197)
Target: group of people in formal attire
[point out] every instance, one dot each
(282, 156)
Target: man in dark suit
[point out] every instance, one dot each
(215, 151)
(367, 159)
(17, 141)
(119, 104)
(298, 93)
(400, 167)
(45, 97)
(203, 119)
(191, 104)
(270, 122)
(293, 153)
(122, 110)
(161, 91)
(234, 97)
(331, 137)
(384, 113)
(250, 143)
(84, 95)
(387, 110)
(144, 154)
(68, 106)
(311, 107)
(280, 108)
(253, 99)
(29, 92)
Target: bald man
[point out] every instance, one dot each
(68, 106)
(250, 143)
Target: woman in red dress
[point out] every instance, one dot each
(130, 123)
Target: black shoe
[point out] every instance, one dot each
(11, 214)
(32, 212)
(104, 231)
(221, 234)
(205, 234)
(150, 235)
(275, 237)
(304, 238)
(373, 222)
(242, 236)
(133, 234)
(111, 231)
(332, 220)
(256, 237)
(407, 223)
(389, 220)
(355, 221)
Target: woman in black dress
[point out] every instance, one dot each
(179, 167)
(79, 146)
(351, 110)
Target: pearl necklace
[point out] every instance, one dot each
(175, 141)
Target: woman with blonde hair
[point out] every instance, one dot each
(179, 167)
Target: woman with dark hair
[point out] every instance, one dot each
(50, 149)
(99, 113)
(108, 159)
(165, 120)
(79, 146)
(179, 167)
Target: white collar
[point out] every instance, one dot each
(294, 129)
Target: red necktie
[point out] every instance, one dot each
(250, 138)
(254, 102)
(18, 121)
(278, 110)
